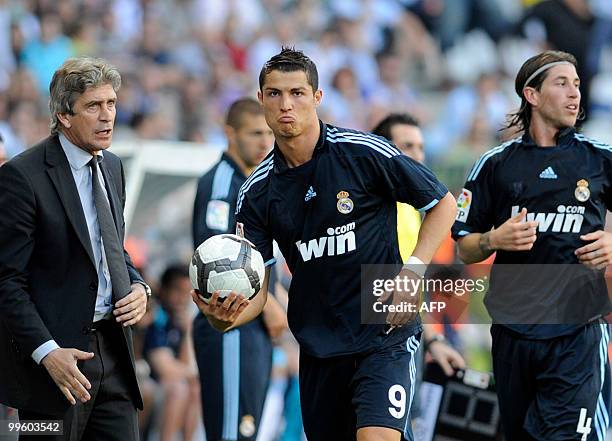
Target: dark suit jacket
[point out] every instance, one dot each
(48, 280)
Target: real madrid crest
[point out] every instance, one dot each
(582, 192)
(247, 426)
(345, 204)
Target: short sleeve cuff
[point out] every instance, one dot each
(429, 206)
(43, 350)
(457, 232)
(270, 262)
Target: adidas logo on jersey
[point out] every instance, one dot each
(548, 173)
(567, 219)
(310, 194)
(340, 240)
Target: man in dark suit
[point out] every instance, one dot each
(68, 290)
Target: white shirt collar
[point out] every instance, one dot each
(77, 157)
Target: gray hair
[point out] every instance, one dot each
(72, 79)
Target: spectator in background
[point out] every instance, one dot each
(7, 61)
(391, 92)
(3, 156)
(449, 20)
(168, 349)
(12, 144)
(151, 125)
(45, 54)
(485, 99)
(347, 101)
(601, 35)
(564, 25)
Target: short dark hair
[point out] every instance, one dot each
(171, 274)
(522, 118)
(384, 127)
(291, 60)
(241, 107)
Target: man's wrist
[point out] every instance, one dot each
(435, 338)
(415, 265)
(146, 287)
(485, 243)
(43, 350)
(219, 325)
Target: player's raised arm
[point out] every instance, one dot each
(235, 310)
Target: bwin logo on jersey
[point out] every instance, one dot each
(567, 219)
(340, 240)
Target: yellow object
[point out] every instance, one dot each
(408, 224)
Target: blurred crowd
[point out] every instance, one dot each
(184, 61)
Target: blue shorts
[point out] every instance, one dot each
(342, 394)
(234, 376)
(553, 390)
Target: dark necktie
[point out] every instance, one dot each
(113, 249)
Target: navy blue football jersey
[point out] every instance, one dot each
(329, 216)
(567, 188)
(215, 202)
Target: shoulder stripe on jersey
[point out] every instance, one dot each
(222, 181)
(394, 151)
(363, 140)
(367, 136)
(593, 142)
(480, 163)
(261, 168)
(263, 173)
(379, 150)
(429, 206)
(355, 138)
(334, 131)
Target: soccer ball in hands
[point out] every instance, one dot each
(226, 263)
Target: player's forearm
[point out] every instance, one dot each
(475, 247)
(435, 227)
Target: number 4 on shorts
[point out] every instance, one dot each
(584, 424)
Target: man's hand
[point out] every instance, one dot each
(274, 318)
(597, 254)
(224, 312)
(62, 366)
(513, 235)
(408, 298)
(446, 356)
(130, 309)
